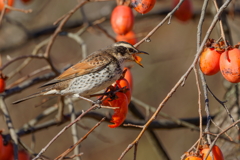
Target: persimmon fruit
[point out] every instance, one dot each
(122, 19)
(124, 83)
(129, 37)
(209, 61)
(128, 76)
(193, 158)
(143, 6)
(216, 152)
(120, 113)
(230, 65)
(185, 11)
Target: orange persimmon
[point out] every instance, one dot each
(129, 37)
(128, 76)
(230, 65)
(122, 19)
(124, 83)
(209, 61)
(120, 113)
(193, 158)
(185, 11)
(216, 152)
(143, 6)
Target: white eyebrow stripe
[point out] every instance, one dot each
(124, 45)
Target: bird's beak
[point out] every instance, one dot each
(138, 59)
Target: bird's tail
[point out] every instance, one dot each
(28, 97)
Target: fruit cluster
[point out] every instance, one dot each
(120, 99)
(216, 153)
(216, 56)
(6, 152)
(122, 18)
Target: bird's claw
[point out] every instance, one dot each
(97, 103)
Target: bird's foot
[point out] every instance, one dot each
(97, 103)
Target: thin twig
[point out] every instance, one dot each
(39, 56)
(23, 79)
(165, 115)
(169, 15)
(223, 104)
(74, 127)
(79, 141)
(199, 106)
(27, 61)
(221, 130)
(63, 130)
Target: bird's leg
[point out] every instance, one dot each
(86, 99)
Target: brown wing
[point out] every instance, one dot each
(90, 64)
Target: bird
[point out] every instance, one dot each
(94, 73)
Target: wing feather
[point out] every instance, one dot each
(90, 64)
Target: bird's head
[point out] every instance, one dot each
(124, 52)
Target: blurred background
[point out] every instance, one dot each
(172, 49)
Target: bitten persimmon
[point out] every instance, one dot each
(185, 11)
(230, 65)
(209, 61)
(8, 2)
(120, 113)
(129, 37)
(143, 6)
(128, 76)
(216, 152)
(122, 19)
(124, 83)
(6, 151)
(193, 158)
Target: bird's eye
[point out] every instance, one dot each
(131, 50)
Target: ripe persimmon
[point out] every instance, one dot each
(128, 76)
(209, 61)
(120, 113)
(129, 37)
(230, 65)
(124, 83)
(193, 158)
(216, 152)
(185, 11)
(122, 19)
(143, 6)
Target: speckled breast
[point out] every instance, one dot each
(93, 82)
